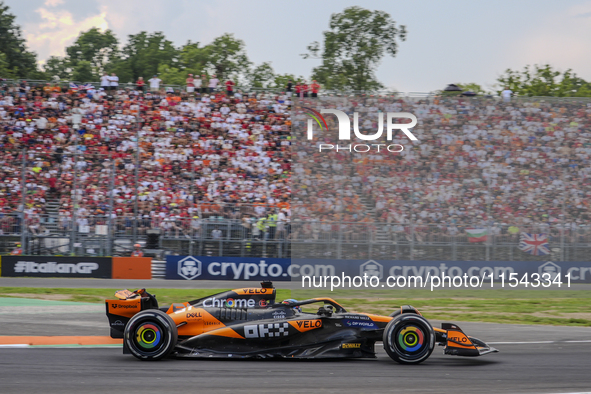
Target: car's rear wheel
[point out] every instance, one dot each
(150, 335)
(409, 339)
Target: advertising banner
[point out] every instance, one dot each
(238, 268)
(49, 266)
(227, 268)
(132, 268)
(576, 271)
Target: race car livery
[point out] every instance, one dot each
(248, 323)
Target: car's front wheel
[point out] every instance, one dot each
(409, 339)
(150, 335)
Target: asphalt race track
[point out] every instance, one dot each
(541, 368)
(533, 359)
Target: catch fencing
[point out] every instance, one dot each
(92, 211)
(215, 234)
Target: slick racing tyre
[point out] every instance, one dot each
(150, 335)
(409, 339)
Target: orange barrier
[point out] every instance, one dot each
(132, 268)
(59, 340)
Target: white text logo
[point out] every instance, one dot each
(55, 268)
(345, 125)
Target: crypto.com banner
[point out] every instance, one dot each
(504, 274)
(346, 153)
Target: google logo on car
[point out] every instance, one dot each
(230, 303)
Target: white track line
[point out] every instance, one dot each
(24, 345)
(536, 342)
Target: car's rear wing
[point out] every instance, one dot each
(127, 304)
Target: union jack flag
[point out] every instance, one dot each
(75, 87)
(534, 244)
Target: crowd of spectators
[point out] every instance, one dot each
(201, 155)
(504, 165)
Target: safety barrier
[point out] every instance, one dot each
(132, 268)
(239, 230)
(277, 269)
(158, 269)
(284, 269)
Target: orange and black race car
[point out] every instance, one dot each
(248, 323)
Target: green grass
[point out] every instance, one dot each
(519, 306)
(550, 307)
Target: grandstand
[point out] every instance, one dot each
(213, 176)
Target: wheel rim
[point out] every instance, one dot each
(148, 337)
(411, 339)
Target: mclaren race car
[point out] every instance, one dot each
(248, 323)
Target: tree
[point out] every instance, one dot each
(193, 58)
(171, 75)
(226, 57)
(353, 47)
(19, 61)
(573, 86)
(5, 70)
(262, 76)
(94, 47)
(83, 72)
(57, 67)
(121, 67)
(281, 80)
(544, 81)
(86, 59)
(471, 87)
(143, 55)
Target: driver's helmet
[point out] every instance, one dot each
(297, 309)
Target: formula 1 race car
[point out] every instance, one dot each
(247, 323)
